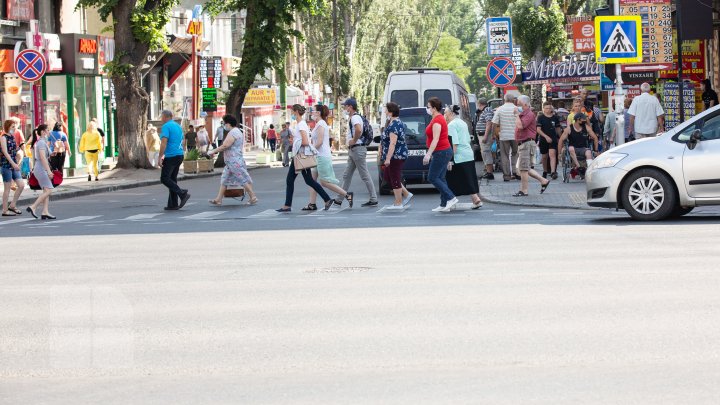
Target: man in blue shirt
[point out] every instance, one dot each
(171, 157)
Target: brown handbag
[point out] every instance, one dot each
(235, 193)
(303, 161)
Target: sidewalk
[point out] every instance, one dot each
(119, 179)
(557, 195)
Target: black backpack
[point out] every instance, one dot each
(367, 135)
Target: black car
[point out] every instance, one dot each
(415, 120)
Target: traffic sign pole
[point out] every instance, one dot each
(619, 95)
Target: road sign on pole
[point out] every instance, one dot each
(499, 36)
(618, 39)
(501, 72)
(30, 65)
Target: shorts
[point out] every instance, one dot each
(526, 151)
(393, 173)
(641, 136)
(9, 174)
(580, 152)
(545, 146)
(487, 155)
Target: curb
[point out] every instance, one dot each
(119, 187)
(535, 205)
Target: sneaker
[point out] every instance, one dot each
(451, 204)
(394, 208)
(370, 204)
(438, 208)
(407, 199)
(488, 176)
(184, 199)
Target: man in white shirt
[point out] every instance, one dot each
(504, 122)
(646, 115)
(357, 155)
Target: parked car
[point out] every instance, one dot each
(662, 177)
(415, 121)
(376, 133)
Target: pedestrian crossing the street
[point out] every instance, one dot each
(336, 213)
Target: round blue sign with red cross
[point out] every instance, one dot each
(501, 72)
(30, 65)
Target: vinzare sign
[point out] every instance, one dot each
(572, 70)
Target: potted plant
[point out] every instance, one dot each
(190, 164)
(204, 164)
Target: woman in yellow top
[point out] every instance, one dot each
(90, 144)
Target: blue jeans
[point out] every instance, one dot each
(9, 174)
(307, 176)
(436, 174)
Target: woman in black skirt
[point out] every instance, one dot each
(461, 176)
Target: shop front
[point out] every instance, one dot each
(564, 78)
(79, 93)
(258, 110)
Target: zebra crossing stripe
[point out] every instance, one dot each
(16, 221)
(204, 215)
(140, 217)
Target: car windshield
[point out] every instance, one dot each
(414, 129)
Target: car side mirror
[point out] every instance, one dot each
(695, 137)
(376, 139)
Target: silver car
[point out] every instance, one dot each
(662, 177)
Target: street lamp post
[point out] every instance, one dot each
(619, 95)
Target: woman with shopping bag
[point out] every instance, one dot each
(304, 159)
(235, 173)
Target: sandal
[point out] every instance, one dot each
(519, 194)
(215, 202)
(8, 214)
(477, 205)
(253, 201)
(15, 210)
(328, 204)
(349, 197)
(544, 187)
(309, 207)
(283, 210)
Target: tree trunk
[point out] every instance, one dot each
(132, 100)
(132, 105)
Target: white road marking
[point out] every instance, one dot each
(535, 210)
(512, 214)
(74, 219)
(139, 217)
(204, 215)
(16, 221)
(265, 214)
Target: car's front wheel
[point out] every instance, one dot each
(649, 195)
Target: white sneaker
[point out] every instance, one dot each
(394, 208)
(438, 208)
(407, 199)
(450, 204)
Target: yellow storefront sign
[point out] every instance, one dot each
(258, 97)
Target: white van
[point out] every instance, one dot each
(413, 88)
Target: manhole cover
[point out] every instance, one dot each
(347, 269)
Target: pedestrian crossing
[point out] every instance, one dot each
(335, 213)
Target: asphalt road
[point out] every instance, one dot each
(235, 304)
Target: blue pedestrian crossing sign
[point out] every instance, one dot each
(618, 39)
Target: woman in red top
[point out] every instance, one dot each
(438, 155)
(272, 137)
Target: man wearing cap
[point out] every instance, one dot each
(484, 129)
(357, 154)
(647, 117)
(579, 135)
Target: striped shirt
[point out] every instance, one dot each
(505, 117)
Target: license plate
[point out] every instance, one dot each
(416, 152)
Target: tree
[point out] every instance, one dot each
(539, 30)
(139, 27)
(450, 56)
(269, 33)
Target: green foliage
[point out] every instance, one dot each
(449, 56)
(464, 20)
(538, 29)
(192, 154)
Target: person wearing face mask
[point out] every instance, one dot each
(301, 144)
(324, 172)
(438, 155)
(10, 168)
(580, 136)
(235, 173)
(357, 154)
(42, 171)
(525, 134)
(462, 175)
(393, 154)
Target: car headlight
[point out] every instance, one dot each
(608, 159)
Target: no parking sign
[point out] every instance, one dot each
(30, 65)
(501, 72)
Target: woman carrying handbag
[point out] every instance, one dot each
(304, 158)
(235, 173)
